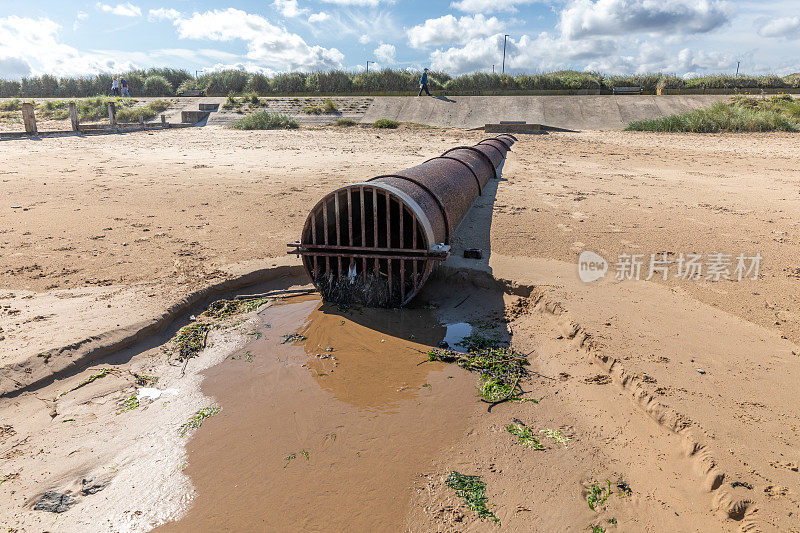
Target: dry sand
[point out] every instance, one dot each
(112, 230)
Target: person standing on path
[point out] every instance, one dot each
(124, 84)
(423, 83)
(114, 87)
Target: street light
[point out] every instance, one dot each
(368, 62)
(505, 39)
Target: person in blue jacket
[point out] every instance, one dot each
(423, 83)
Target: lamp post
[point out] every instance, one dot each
(505, 39)
(368, 62)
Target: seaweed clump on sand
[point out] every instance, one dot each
(472, 490)
(501, 368)
(192, 339)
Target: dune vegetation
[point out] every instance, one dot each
(739, 114)
(169, 82)
(265, 120)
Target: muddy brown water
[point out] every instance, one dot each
(331, 442)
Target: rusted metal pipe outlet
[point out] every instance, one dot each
(376, 243)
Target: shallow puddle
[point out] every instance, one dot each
(327, 433)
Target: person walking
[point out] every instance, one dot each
(124, 83)
(423, 83)
(114, 87)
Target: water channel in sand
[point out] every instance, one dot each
(327, 433)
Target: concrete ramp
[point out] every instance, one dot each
(581, 112)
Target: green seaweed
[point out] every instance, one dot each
(196, 419)
(500, 367)
(556, 435)
(524, 436)
(191, 339)
(227, 308)
(598, 495)
(94, 377)
(129, 404)
(473, 491)
(294, 337)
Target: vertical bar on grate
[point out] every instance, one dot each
(314, 241)
(325, 224)
(349, 226)
(414, 246)
(363, 234)
(338, 232)
(402, 262)
(389, 241)
(375, 226)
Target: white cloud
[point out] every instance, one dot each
(543, 52)
(448, 29)
(31, 47)
(123, 10)
(386, 53)
(584, 18)
(265, 42)
(14, 68)
(489, 6)
(788, 27)
(80, 17)
(371, 3)
(366, 25)
(252, 68)
(288, 8)
(318, 17)
(163, 13)
(477, 54)
(202, 55)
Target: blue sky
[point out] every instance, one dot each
(685, 37)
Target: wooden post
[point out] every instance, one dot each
(112, 114)
(29, 118)
(163, 119)
(73, 115)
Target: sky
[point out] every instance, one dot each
(683, 37)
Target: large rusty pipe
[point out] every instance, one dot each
(376, 243)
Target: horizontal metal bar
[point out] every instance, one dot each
(334, 247)
(371, 256)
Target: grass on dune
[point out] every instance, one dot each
(146, 112)
(265, 120)
(739, 114)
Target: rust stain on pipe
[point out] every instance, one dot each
(395, 227)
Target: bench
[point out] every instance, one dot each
(191, 93)
(628, 90)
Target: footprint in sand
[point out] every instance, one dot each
(564, 228)
(776, 492)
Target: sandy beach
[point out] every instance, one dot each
(680, 393)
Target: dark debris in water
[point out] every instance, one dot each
(227, 308)
(369, 291)
(294, 337)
